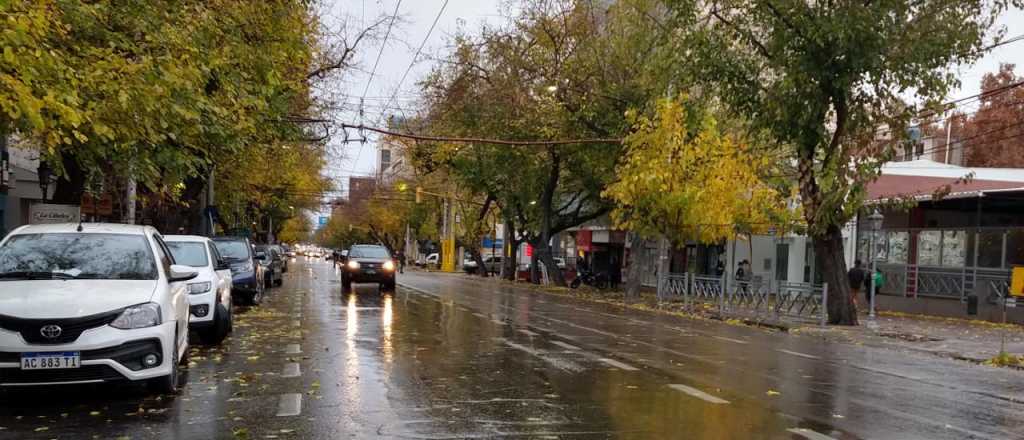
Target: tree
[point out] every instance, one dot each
(820, 79)
(993, 136)
(683, 178)
(296, 230)
(561, 69)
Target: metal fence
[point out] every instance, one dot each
(756, 298)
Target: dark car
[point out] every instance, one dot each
(246, 272)
(269, 256)
(367, 263)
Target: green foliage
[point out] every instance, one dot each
(830, 79)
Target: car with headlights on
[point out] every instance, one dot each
(368, 264)
(209, 294)
(91, 303)
(246, 273)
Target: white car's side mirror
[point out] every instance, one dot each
(181, 273)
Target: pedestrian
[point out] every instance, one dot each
(857, 278)
(878, 278)
(719, 268)
(401, 261)
(743, 272)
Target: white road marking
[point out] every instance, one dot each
(565, 346)
(521, 348)
(289, 405)
(292, 349)
(527, 332)
(498, 321)
(291, 369)
(730, 339)
(809, 434)
(797, 353)
(617, 364)
(479, 315)
(698, 394)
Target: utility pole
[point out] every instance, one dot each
(130, 197)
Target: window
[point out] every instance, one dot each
(929, 248)
(190, 254)
(233, 249)
(213, 253)
(954, 248)
(163, 254)
(1015, 248)
(368, 252)
(990, 249)
(782, 259)
(93, 256)
(899, 242)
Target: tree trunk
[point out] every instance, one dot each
(71, 185)
(636, 247)
(542, 248)
(508, 261)
(481, 268)
(841, 309)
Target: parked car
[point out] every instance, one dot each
(284, 257)
(246, 273)
(432, 260)
(368, 264)
(288, 251)
(273, 264)
(209, 293)
(88, 303)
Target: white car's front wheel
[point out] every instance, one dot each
(168, 384)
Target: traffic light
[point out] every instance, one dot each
(402, 186)
(419, 194)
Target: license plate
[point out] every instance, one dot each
(50, 361)
(371, 272)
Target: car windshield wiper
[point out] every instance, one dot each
(35, 275)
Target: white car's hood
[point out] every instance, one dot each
(33, 299)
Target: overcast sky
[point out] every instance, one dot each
(416, 18)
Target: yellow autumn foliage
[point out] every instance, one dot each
(685, 178)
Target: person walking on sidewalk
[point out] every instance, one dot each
(401, 261)
(857, 278)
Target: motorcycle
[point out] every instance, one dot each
(598, 280)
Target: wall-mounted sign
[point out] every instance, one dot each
(43, 213)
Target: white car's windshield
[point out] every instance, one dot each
(76, 255)
(188, 253)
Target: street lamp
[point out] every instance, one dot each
(45, 173)
(875, 221)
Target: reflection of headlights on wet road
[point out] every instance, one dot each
(388, 265)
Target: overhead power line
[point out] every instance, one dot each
(463, 140)
(413, 62)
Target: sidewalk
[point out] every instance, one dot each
(974, 341)
(967, 340)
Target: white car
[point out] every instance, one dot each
(209, 293)
(90, 303)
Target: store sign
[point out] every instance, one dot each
(45, 213)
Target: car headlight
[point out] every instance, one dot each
(244, 267)
(388, 265)
(140, 316)
(353, 264)
(197, 288)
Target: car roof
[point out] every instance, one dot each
(87, 228)
(186, 238)
(366, 246)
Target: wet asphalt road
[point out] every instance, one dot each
(450, 357)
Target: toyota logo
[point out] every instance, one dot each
(51, 331)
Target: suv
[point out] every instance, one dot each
(367, 263)
(88, 303)
(209, 295)
(247, 274)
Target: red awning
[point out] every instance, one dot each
(890, 186)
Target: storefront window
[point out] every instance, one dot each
(929, 248)
(899, 242)
(1015, 248)
(954, 246)
(990, 249)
